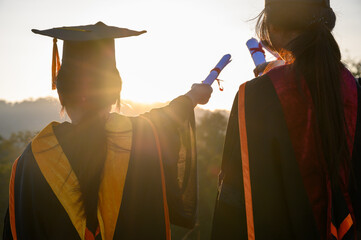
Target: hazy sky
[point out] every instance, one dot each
(185, 39)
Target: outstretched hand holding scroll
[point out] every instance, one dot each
(201, 92)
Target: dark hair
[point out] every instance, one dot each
(317, 58)
(91, 90)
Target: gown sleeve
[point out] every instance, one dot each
(355, 180)
(7, 229)
(229, 220)
(175, 125)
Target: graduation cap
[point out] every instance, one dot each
(85, 47)
(316, 2)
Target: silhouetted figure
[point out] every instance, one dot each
(292, 155)
(104, 175)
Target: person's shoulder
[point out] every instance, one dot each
(260, 91)
(118, 123)
(253, 87)
(283, 77)
(46, 131)
(348, 77)
(281, 71)
(27, 152)
(259, 84)
(25, 162)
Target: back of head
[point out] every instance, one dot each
(316, 57)
(308, 17)
(88, 77)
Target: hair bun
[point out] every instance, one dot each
(325, 16)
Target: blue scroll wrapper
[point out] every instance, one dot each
(217, 70)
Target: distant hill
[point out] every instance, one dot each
(33, 115)
(30, 115)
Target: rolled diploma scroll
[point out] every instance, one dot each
(257, 56)
(217, 70)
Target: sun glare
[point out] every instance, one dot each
(184, 41)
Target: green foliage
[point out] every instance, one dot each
(211, 129)
(210, 135)
(10, 149)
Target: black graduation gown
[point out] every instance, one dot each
(280, 185)
(142, 215)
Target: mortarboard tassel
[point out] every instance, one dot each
(55, 67)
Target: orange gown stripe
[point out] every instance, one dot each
(245, 162)
(57, 171)
(334, 231)
(89, 235)
(166, 210)
(12, 200)
(120, 134)
(344, 226)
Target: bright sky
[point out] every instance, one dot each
(185, 40)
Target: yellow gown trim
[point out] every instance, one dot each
(57, 171)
